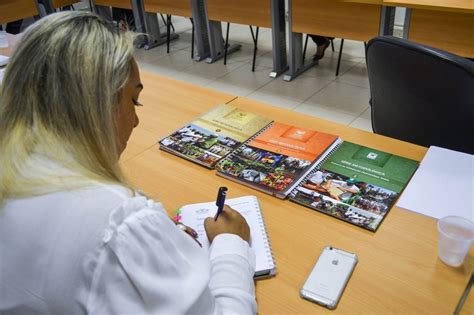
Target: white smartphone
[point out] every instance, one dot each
(329, 277)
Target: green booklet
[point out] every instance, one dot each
(356, 184)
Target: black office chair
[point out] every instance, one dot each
(421, 94)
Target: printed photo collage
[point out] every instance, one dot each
(200, 144)
(265, 168)
(346, 198)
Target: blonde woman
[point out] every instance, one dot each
(74, 236)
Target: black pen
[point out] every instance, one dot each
(220, 201)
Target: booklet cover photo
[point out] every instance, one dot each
(356, 184)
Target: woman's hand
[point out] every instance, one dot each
(229, 221)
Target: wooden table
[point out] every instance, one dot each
(468, 307)
(398, 270)
(349, 19)
(443, 24)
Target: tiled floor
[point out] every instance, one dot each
(318, 92)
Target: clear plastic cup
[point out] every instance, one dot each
(3, 39)
(455, 238)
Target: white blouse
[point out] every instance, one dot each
(101, 251)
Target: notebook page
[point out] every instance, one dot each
(443, 185)
(195, 214)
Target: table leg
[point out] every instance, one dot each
(280, 63)
(296, 54)
(216, 42)
(201, 35)
(48, 6)
(406, 24)
(387, 21)
(148, 23)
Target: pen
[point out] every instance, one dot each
(220, 201)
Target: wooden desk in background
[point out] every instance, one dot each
(171, 7)
(348, 19)
(50, 6)
(261, 13)
(63, 3)
(398, 269)
(443, 24)
(122, 4)
(13, 10)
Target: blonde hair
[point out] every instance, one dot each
(57, 102)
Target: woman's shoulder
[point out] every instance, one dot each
(118, 202)
(91, 210)
(134, 205)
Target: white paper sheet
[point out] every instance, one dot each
(443, 185)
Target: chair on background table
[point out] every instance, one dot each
(421, 94)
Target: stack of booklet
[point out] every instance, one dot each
(315, 169)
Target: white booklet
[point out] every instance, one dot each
(443, 185)
(194, 215)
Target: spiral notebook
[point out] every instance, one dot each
(212, 136)
(194, 215)
(276, 159)
(356, 184)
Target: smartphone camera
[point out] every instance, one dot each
(330, 248)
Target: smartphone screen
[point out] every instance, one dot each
(329, 277)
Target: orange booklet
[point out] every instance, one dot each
(278, 158)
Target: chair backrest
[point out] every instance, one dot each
(421, 94)
(13, 10)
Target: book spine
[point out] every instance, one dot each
(241, 147)
(317, 166)
(263, 228)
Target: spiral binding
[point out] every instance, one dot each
(317, 166)
(242, 146)
(267, 244)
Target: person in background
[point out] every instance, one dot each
(124, 18)
(75, 236)
(322, 44)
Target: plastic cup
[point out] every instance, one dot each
(455, 238)
(3, 39)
